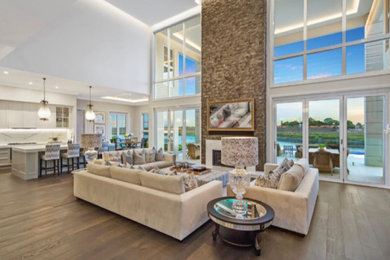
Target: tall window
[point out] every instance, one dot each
(118, 125)
(320, 39)
(145, 128)
(178, 59)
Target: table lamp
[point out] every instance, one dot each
(239, 152)
(90, 142)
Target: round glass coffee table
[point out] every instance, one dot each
(240, 230)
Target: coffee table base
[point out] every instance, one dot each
(238, 238)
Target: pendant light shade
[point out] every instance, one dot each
(90, 115)
(44, 111)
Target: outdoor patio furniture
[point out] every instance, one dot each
(323, 161)
(299, 152)
(288, 150)
(193, 151)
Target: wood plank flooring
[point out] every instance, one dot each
(41, 219)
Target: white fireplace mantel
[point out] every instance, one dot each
(216, 145)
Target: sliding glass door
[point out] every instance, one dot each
(289, 131)
(344, 137)
(324, 137)
(178, 130)
(365, 139)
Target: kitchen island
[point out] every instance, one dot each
(25, 160)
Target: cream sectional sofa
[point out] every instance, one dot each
(153, 200)
(115, 157)
(293, 209)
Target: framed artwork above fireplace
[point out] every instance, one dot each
(231, 115)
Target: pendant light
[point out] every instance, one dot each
(44, 111)
(90, 115)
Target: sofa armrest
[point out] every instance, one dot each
(290, 208)
(171, 158)
(194, 206)
(269, 167)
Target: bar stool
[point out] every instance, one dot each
(72, 153)
(52, 153)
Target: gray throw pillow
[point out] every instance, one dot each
(160, 155)
(127, 157)
(271, 180)
(139, 156)
(150, 155)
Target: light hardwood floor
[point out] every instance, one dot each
(41, 219)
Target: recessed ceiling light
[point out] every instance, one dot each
(57, 87)
(30, 83)
(5, 72)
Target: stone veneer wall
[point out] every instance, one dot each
(233, 61)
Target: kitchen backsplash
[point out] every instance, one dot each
(33, 135)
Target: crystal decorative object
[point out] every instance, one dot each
(239, 181)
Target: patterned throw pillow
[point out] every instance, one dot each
(130, 166)
(139, 156)
(271, 179)
(160, 155)
(114, 156)
(190, 182)
(150, 155)
(127, 157)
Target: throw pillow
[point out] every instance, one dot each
(142, 168)
(129, 166)
(190, 182)
(291, 179)
(160, 155)
(127, 157)
(282, 168)
(150, 155)
(139, 156)
(271, 179)
(127, 175)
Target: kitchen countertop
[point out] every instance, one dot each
(32, 148)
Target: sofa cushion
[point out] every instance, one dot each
(124, 174)
(171, 184)
(159, 164)
(127, 157)
(97, 169)
(291, 179)
(160, 155)
(139, 156)
(150, 155)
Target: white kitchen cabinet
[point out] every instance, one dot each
(30, 115)
(3, 114)
(15, 115)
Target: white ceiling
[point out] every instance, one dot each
(21, 19)
(153, 11)
(33, 81)
(76, 43)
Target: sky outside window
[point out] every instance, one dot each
(320, 65)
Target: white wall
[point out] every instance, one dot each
(92, 42)
(107, 108)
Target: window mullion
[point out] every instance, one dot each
(344, 31)
(184, 58)
(305, 39)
